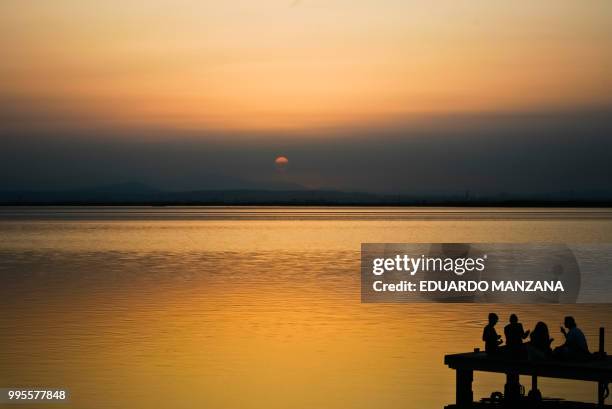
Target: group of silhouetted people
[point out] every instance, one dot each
(539, 345)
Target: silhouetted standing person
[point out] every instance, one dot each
(489, 335)
(515, 334)
(575, 346)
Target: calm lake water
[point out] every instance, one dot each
(227, 308)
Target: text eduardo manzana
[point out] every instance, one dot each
(471, 286)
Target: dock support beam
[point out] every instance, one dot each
(534, 394)
(464, 394)
(601, 386)
(512, 389)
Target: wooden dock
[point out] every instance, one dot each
(598, 369)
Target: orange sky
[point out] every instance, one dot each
(274, 64)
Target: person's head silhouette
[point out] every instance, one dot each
(493, 318)
(513, 319)
(569, 322)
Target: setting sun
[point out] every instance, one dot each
(281, 160)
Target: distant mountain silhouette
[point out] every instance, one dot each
(120, 188)
(135, 193)
(139, 193)
(123, 192)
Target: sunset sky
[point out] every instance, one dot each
(259, 79)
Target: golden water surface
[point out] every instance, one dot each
(251, 308)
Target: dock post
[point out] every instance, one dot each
(512, 389)
(464, 394)
(601, 386)
(534, 394)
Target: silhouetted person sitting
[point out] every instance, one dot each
(539, 342)
(514, 338)
(575, 346)
(489, 335)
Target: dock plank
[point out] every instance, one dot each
(595, 370)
